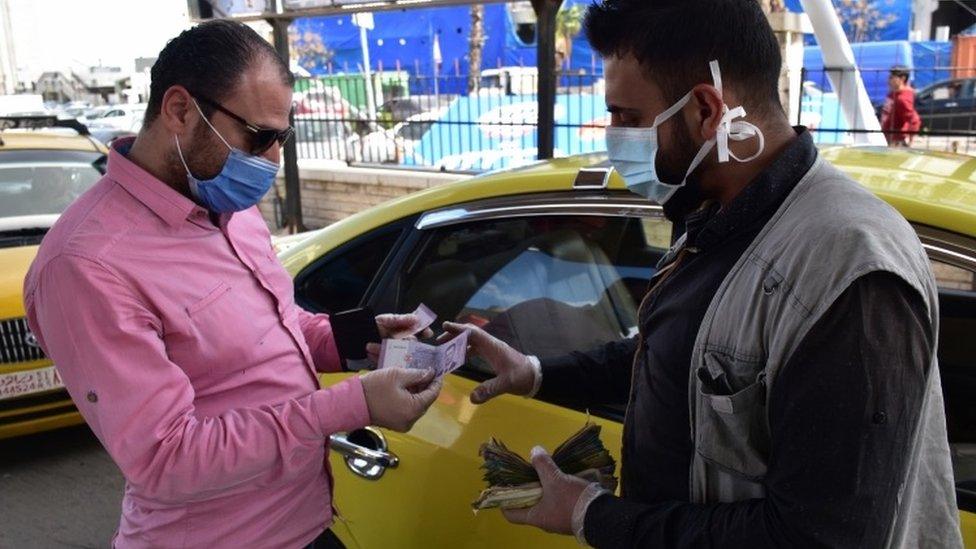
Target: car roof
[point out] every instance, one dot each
(49, 140)
(936, 189)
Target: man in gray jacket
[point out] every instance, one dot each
(784, 389)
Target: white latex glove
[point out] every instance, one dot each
(514, 372)
(560, 492)
(397, 397)
(392, 326)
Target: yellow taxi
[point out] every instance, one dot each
(554, 258)
(45, 163)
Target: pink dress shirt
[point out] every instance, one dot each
(181, 344)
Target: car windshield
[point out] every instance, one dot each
(44, 182)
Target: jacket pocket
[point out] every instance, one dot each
(732, 431)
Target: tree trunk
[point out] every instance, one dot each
(476, 44)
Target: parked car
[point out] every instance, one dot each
(518, 249)
(41, 172)
(125, 118)
(327, 125)
(948, 106)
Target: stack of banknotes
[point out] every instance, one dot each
(513, 483)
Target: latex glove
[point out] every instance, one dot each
(514, 373)
(560, 492)
(397, 397)
(392, 326)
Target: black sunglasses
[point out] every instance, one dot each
(262, 138)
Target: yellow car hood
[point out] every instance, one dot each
(14, 263)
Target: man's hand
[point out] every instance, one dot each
(397, 397)
(560, 492)
(513, 372)
(394, 327)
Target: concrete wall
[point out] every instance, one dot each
(332, 190)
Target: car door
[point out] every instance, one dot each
(548, 273)
(947, 106)
(953, 259)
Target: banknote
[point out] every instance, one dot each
(425, 318)
(442, 359)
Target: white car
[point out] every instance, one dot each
(127, 118)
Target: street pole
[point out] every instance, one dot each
(293, 197)
(545, 13)
(365, 22)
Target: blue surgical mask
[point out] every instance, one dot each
(633, 151)
(241, 183)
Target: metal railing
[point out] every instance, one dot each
(444, 122)
(448, 123)
(944, 100)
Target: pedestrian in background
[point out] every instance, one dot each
(899, 119)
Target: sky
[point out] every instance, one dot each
(60, 34)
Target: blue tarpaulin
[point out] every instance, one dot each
(408, 36)
(875, 59)
(931, 60)
(489, 132)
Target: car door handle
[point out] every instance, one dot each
(365, 452)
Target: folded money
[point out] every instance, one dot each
(407, 353)
(425, 317)
(513, 483)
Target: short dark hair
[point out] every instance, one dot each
(901, 72)
(209, 59)
(674, 40)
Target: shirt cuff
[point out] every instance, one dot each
(536, 376)
(589, 494)
(341, 407)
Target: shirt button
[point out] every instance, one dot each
(92, 397)
(880, 418)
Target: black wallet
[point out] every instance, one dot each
(352, 330)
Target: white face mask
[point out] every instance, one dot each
(633, 151)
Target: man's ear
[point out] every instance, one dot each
(707, 103)
(177, 112)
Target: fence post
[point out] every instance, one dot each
(799, 109)
(293, 198)
(545, 12)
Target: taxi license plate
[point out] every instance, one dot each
(18, 384)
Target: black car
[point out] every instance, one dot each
(949, 105)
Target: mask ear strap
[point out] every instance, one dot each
(179, 151)
(716, 76)
(670, 111)
(224, 141)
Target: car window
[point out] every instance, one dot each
(339, 282)
(43, 187)
(545, 285)
(957, 364)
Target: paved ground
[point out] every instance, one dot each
(57, 490)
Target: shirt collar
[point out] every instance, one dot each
(711, 225)
(163, 200)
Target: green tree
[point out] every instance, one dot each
(569, 23)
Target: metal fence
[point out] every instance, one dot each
(450, 123)
(445, 122)
(944, 100)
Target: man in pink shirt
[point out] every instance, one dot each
(175, 329)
